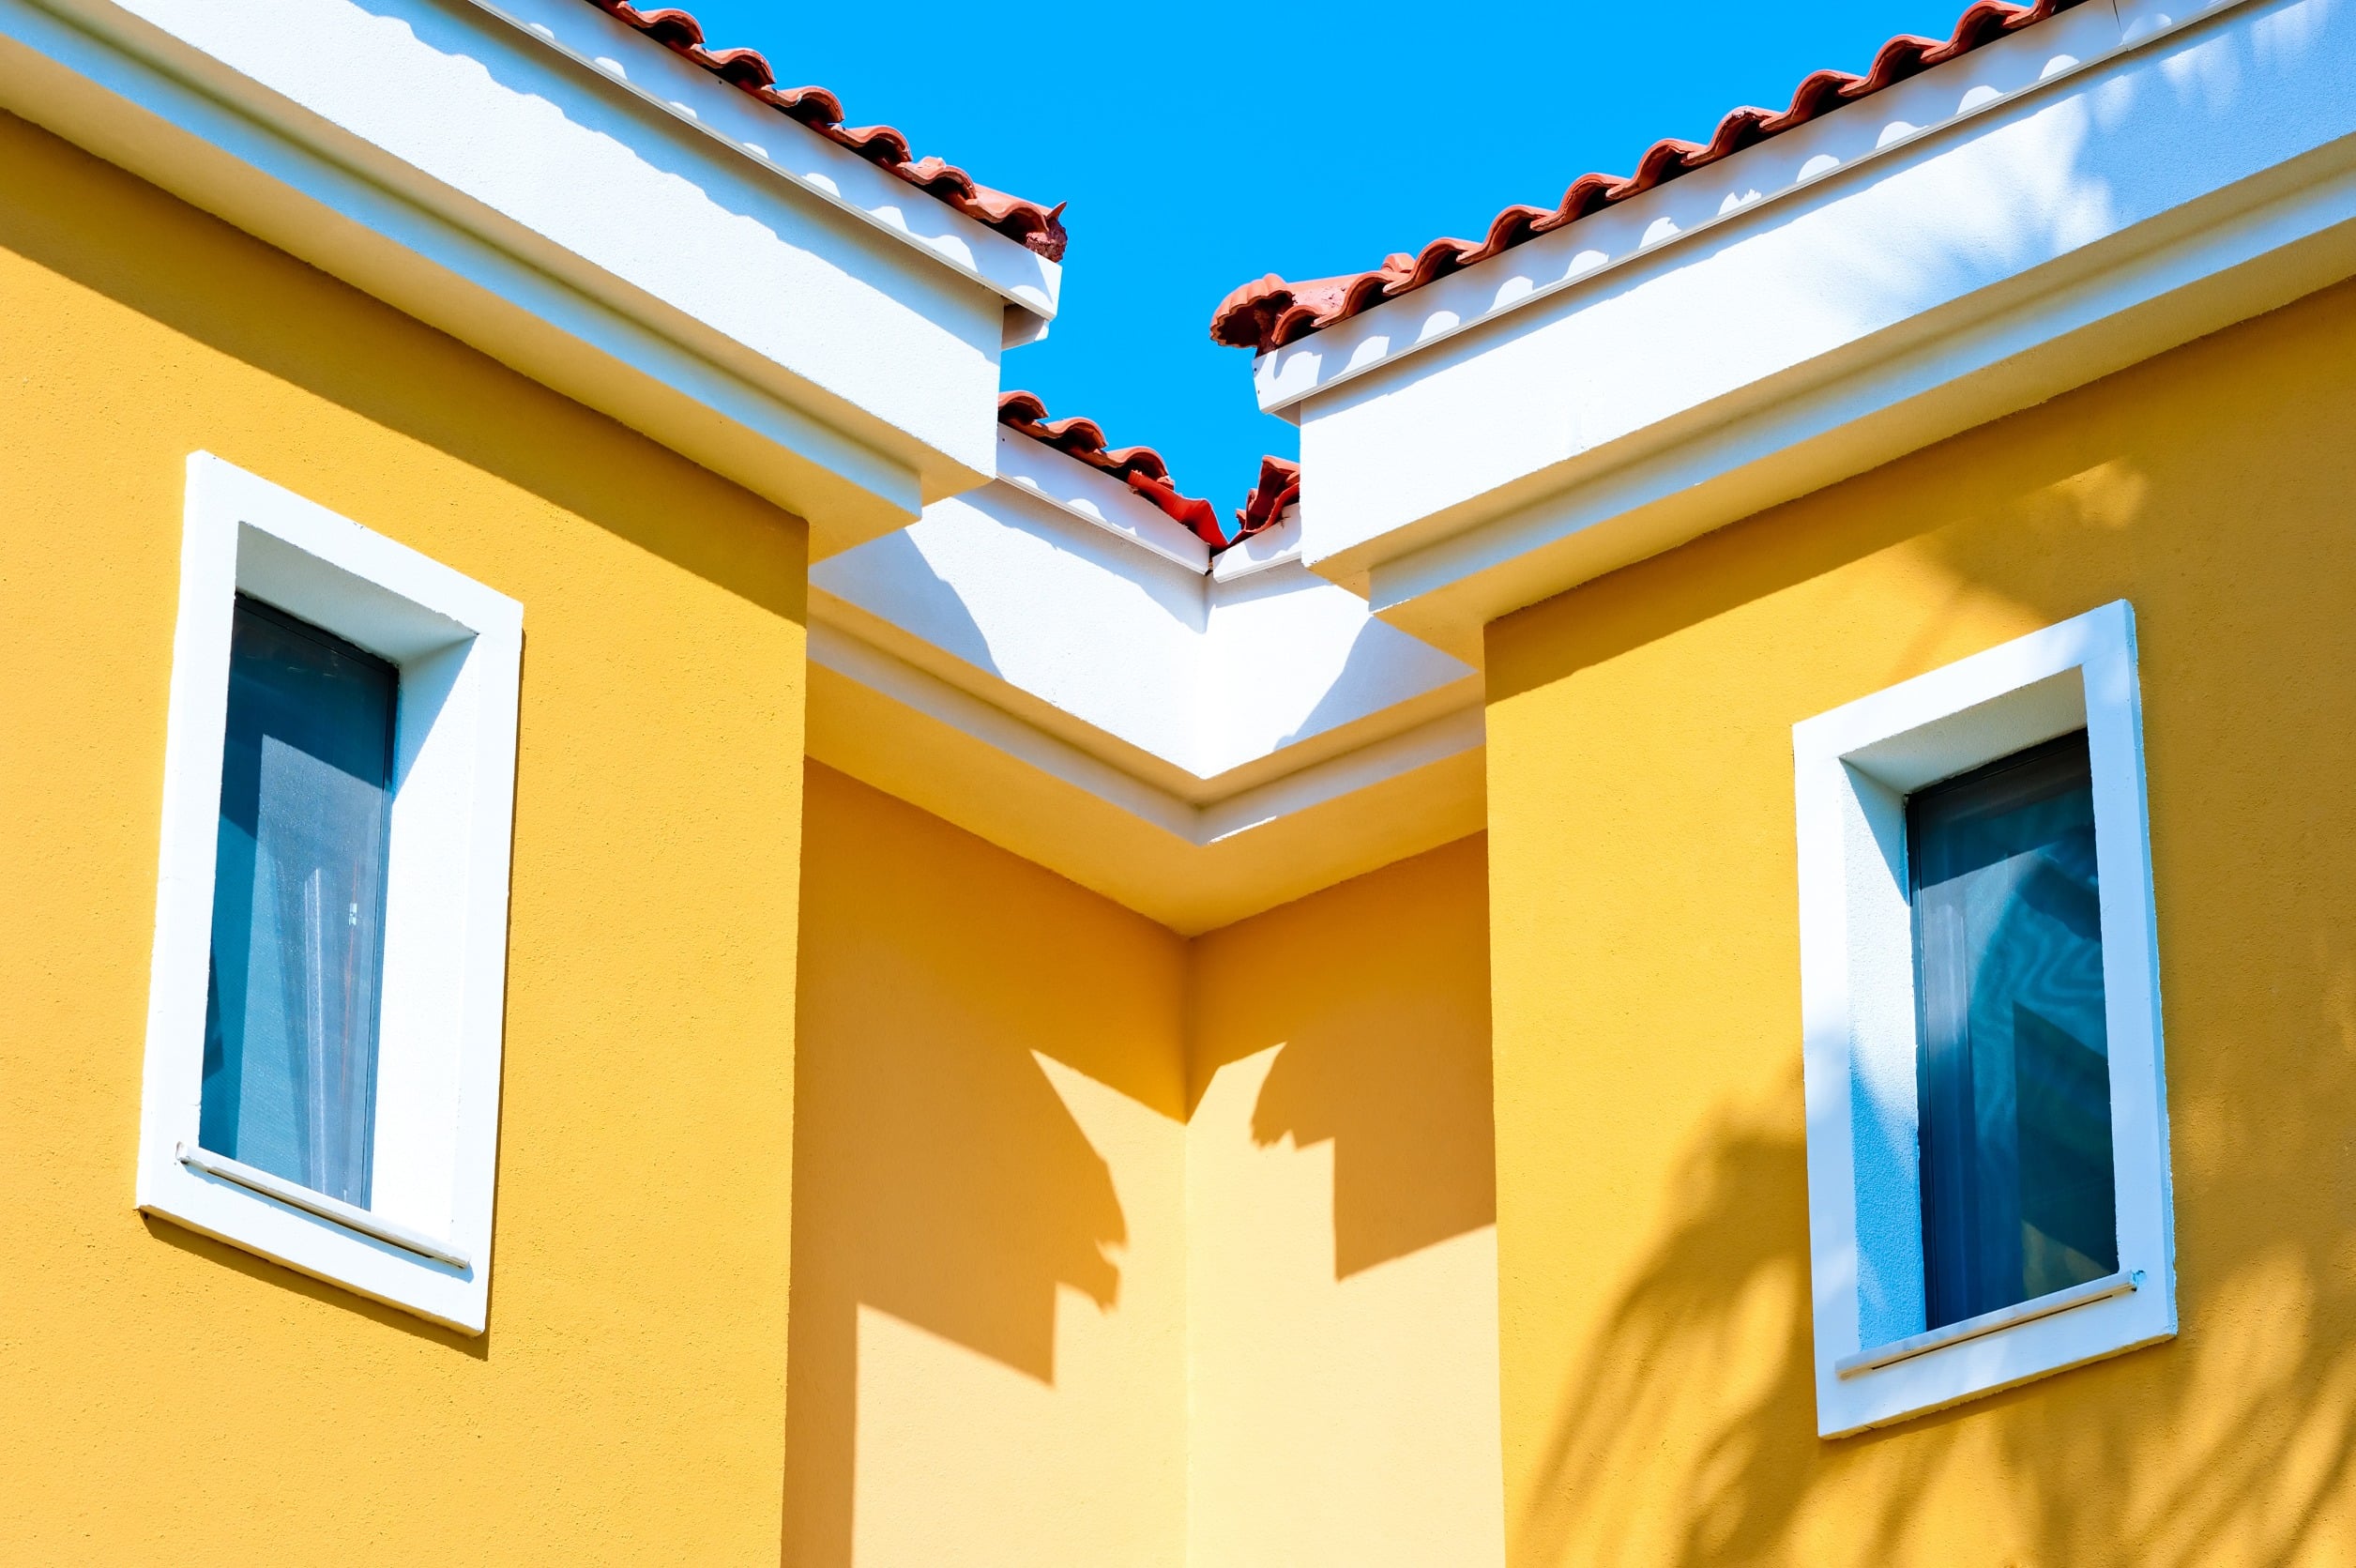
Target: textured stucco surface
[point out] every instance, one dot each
(1653, 1220)
(1116, 1248)
(171, 1399)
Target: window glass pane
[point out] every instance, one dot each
(2014, 1072)
(290, 1038)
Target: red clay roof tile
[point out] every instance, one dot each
(1038, 228)
(1270, 312)
(1144, 471)
(1279, 488)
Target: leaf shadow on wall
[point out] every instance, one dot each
(2210, 489)
(1381, 1009)
(939, 1177)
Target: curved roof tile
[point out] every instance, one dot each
(1279, 488)
(1038, 228)
(1140, 467)
(1272, 311)
(1144, 471)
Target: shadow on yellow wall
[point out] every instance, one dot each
(1001, 1308)
(1659, 1391)
(1342, 1256)
(1378, 992)
(938, 1175)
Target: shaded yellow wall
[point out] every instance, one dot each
(1115, 1249)
(168, 1400)
(989, 1233)
(1653, 1216)
(1342, 1309)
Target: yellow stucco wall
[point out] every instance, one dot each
(989, 1234)
(1342, 1231)
(1112, 1249)
(167, 1399)
(1652, 1211)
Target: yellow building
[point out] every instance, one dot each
(1713, 936)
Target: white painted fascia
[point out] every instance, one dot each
(1194, 865)
(2096, 189)
(1278, 544)
(1197, 681)
(1058, 684)
(1673, 215)
(637, 234)
(1095, 496)
(1029, 282)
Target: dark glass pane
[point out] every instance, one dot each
(299, 896)
(2014, 1070)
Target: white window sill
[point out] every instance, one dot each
(294, 1194)
(1987, 1323)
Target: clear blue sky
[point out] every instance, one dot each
(1212, 142)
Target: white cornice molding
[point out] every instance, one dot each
(1064, 482)
(807, 325)
(1029, 282)
(2198, 174)
(1194, 865)
(1830, 149)
(1200, 682)
(1062, 687)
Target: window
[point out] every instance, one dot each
(1988, 1146)
(298, 899)
(323, 1050)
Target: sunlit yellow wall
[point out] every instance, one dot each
(1112, 1249)
(167, 1399)
(1651, 1212)
(989, 1239)
(1341, 1240)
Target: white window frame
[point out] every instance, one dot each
(424, 1244)
(1855, 767)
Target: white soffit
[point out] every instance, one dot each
(542, 181)
(2051, 207)
(1194, 741)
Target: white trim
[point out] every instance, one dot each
(1183, 678)
(1068, 484)
(1687, 209)
(2123, 207)
(1317, 781)
(811, 327)
(326, 1207)
(426, 1243)
(1279, 544)
(782, 146)
(1987, 1323)
(1854, 768)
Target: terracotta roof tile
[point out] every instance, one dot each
(1272, 311)
(1144, 471)
(1279, 488)
(1038, 228)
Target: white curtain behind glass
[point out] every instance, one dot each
(290, 1059)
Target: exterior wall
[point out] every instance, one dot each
(170, 1399)
(1652, 1215)
(1341, 1261)
(989, 1235)
(1114, 1249)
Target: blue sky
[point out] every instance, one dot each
(1210, 143)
